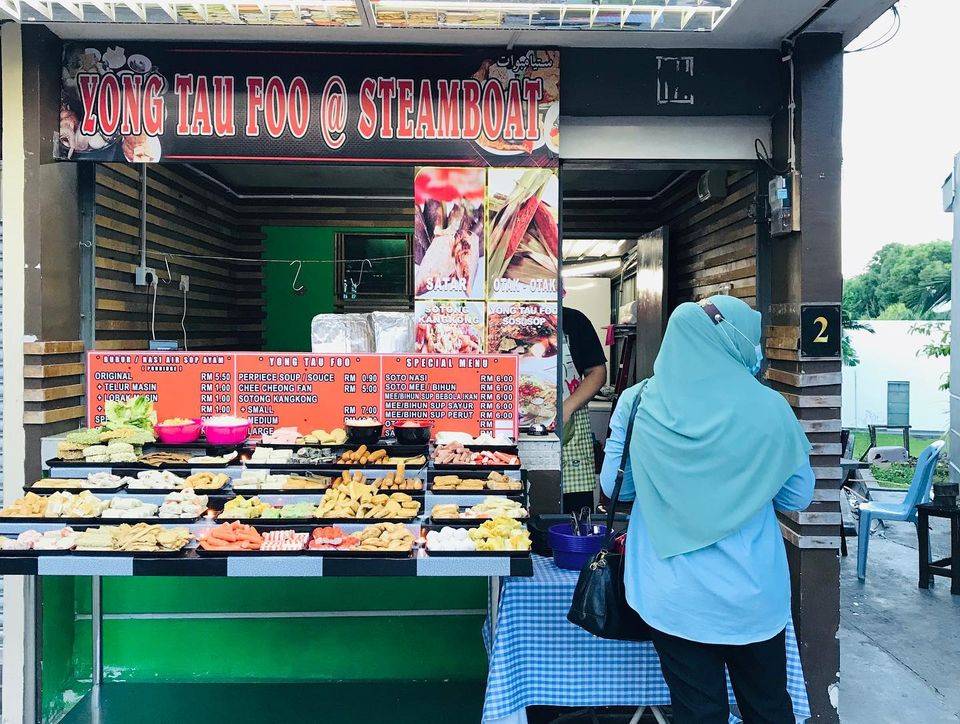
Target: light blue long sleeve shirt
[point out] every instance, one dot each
(736, 591)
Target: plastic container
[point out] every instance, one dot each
(226, 434)
(179, 434)
(413, 433)
(573, 551)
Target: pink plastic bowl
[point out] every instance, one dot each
(178, 434)
(226, 435)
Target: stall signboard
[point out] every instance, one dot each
(206, 379)
(461, 393)
(447, 389)
(151, 102)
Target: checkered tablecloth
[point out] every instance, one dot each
(538, 657)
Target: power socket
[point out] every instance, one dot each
(184, 283)
(145, 276)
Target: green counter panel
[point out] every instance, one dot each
(171, 635)
(293, 649)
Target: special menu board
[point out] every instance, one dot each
(463, 393)
(449, 389)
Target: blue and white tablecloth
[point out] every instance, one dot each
(540, 658)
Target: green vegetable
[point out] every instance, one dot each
(134, 412)
(85, 436)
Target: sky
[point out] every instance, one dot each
(901, 130)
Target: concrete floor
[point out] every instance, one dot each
(899, 645)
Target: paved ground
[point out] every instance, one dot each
(899, 645)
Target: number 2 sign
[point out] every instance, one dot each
(820, 331)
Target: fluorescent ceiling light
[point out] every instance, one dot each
(574, 249)
(326, 13)
(659, 15)
(704, 15)
(590, 268)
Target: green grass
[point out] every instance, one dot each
(862, 442)
(896, 475)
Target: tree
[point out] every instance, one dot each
(938, 346)
(897, 310)
(899, 273)
(847, 352)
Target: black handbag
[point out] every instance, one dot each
(599, 601)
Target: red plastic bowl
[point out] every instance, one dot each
(410, 432)
(226, 434)
(178, 434)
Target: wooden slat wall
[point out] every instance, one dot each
(185, 215)
(53, 394)
(612, 218)
(359, 213)
(712, 244)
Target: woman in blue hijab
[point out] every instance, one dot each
(713, 454)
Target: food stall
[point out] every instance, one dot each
(317, 238)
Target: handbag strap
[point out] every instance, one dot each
(624, 459)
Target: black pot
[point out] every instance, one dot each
(364, 434)
(419, 435)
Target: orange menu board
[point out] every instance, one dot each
(181, 384)
(306, 391)
(461, 393)
(468, 393)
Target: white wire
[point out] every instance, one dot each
(183, 320)
(888, 35)
(153, 310)
(247, 260)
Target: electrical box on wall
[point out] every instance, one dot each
(783, 195)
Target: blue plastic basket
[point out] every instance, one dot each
(573, 551)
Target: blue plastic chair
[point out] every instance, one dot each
(918, 492)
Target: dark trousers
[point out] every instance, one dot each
(573, 502)
(698, 689)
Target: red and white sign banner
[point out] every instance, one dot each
(144, 102)
(462, 393)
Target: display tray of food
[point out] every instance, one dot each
(343, 458)
(391, 540)
(391, 481)
(139, 539)
(268, 457)
(511, 484)
(240, 539)
(153, 460)
(86, 509)
(353, 500)
(253, 509)
(101, 482)
(496, 537)
(310, 482)
(288, 438)
(456, 456)
(481, 441)
(35, 543)
(155, 482)
(492, 507)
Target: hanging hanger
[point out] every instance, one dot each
(297, 289)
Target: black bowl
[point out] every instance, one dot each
(364, 434)
(419, 435)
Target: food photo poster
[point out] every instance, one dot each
(448, 233)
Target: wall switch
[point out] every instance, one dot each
(184, 283)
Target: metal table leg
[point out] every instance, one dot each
(923, 548)
(96, 628)
(33, 638)
(493, 605)
(955, 555)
